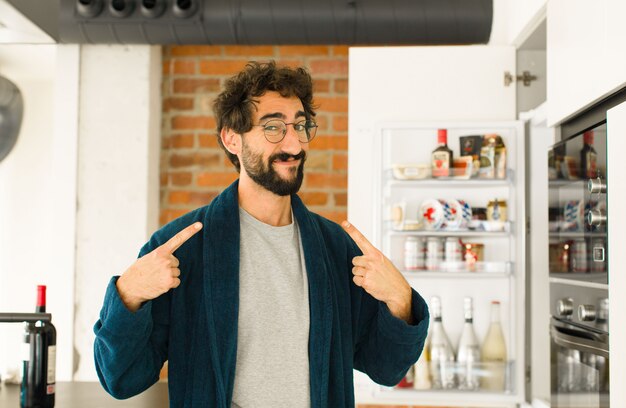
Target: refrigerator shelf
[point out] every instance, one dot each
(449, 182)
(454, 275)
(452, 233)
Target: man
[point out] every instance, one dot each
(270, 305)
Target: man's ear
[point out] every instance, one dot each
(231, 140)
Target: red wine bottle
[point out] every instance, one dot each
(39, 360)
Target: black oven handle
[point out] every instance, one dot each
(578, 343)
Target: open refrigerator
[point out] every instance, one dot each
(393, 131)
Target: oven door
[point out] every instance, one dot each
(580, 366)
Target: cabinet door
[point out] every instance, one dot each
(616, 145)
(463, 83)
(586, 58)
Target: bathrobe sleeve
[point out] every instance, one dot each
(385, 346)
(130, 348)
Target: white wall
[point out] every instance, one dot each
(117, 175)
(30, 252)
(79, 193)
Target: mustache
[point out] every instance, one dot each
(287, 156)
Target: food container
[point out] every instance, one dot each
(496, 210)
(473, 253)
(411, 171)
(462, 167)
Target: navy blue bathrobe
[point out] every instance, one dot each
(194, 326)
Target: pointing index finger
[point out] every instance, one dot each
(364, 245)
(181, 237)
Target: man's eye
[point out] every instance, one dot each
(272, 128)
(299, 127)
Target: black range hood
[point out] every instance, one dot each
(269, 22)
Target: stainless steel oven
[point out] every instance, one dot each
(579, 353)
(578, 260)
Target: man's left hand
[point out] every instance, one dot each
(375, 273)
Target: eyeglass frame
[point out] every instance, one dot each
(306, 130)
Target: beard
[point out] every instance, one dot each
(264, 174)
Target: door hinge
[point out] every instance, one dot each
(526, 78)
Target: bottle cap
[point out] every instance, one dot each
(588, 137)
(41, 295)
(442, 136)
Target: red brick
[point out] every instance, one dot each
(314, 198)
(170, 215)
(333, 104)
(166, 67)
(340, 50)
(207, 140)
(201, 198)
(193, 122)
(194, 159)
(180, 179)
(322, 122)
(178, 197)
(184, 66)
(335, 216)
(190, 85)
(341, 199)
(340, 161)
(330, 142)
(163, 179)
(329, 66)
(246, 50)
(216, 179)
(340, 123)
(222, 67)
(177, 104)
(298, 50)
(195, 50)
(341, 86)
(326, 180)
(321, 85)
(181, 141)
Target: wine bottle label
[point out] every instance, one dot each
(52, 363)
(441, 164)
(25, 351)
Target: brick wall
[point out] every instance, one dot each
(193, 167)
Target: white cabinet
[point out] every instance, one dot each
(586, 58)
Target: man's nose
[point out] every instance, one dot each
(291, 142)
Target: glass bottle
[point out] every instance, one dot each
(39, 360)
(493, 353)
(441, 352)
(588, 157)
(441, 157)
(422, 369)
(468, 353)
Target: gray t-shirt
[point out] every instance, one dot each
(273, 330)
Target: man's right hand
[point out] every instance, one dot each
(154, 273)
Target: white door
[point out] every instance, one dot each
(456, 83)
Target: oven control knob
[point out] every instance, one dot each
(587, 313)
(596, 185)
(596, 218)
(565, 307)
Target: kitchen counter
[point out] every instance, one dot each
(90, 394)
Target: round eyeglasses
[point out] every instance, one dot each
(275, 130)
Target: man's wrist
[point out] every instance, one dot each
(132, 303)
(401, 306)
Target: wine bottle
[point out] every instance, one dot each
(422, 369)
(494, 353)
(39, 360)
(441, 352)
(588, 157)
(468, 354)
(442, 156)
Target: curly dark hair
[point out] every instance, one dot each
(233, 107)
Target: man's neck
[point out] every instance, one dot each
(262, 204)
